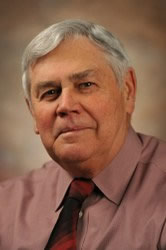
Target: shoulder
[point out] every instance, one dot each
(28, 202)
(13, 189)
(153, 152)
(149, 179)
(151, 170)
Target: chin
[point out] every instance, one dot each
(71, 153)
(77, 167)
(73, 157)
(70, 157)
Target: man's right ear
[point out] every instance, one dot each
(32, 113)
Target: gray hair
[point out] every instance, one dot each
(50, 38)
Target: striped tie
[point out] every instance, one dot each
(63, 235)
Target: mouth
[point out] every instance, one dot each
(72, 130)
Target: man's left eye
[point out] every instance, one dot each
(85, 85)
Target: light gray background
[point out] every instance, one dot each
(140, 25)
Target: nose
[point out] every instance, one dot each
(68, 103)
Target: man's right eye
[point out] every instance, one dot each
(51, 94)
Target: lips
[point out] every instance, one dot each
(66, 130)
(71, 129)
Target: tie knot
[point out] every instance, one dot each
(80, 189)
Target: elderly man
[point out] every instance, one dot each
(106, 186)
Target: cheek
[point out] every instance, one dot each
(44, 120)
(111, 114)
(106, 110)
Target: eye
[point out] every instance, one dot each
(51, 93)
(85, 85)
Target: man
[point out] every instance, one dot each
(80, 89)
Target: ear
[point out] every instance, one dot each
(130, 90)
(29, 104)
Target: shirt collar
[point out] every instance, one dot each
(114, 179)
(61, 181)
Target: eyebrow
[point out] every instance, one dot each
(45, 84)
(81, 75)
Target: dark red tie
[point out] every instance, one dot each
(63, 236)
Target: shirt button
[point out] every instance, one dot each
(80, 214)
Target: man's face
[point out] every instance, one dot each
(79, 110)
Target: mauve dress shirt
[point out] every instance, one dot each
(128, 212)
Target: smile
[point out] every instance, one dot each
(70, 131)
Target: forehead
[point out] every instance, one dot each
(75, 49)
(72, 56)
